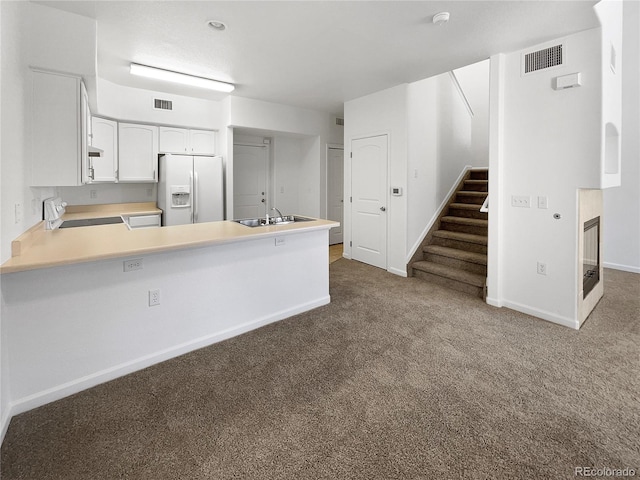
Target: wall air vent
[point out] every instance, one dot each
(159, 104)
(340, 121)
(543, 59)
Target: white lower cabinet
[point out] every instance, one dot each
(138, 153)
(104, 135)
(142, 221)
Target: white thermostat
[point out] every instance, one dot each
(397, 191)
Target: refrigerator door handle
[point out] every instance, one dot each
(191, 185)
(196, 192)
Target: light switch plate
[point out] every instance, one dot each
(543, 202)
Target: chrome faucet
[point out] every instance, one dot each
(280, 213)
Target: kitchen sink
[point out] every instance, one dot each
(88, 222)
(284, 220)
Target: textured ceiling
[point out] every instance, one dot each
(315, 54)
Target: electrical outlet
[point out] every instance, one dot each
(520, 201)
(133, 264)
(18, 212)
(280, 241)
(154, 298)
(542, 268)
(93, 194)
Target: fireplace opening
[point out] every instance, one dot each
(591, 255)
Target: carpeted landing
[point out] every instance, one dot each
(395, 379)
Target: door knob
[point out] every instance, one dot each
(383, 209)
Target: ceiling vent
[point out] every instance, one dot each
(159, 104)
(340, 121)
(543, 59)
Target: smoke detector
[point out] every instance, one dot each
(441, 18)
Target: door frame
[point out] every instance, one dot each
(335, 146)
(348, 179)
(268, 178)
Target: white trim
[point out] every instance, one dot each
(74, 386)
(463, 97)
(544, 315)
(397, 271)
(4, 422)
(624, 268)
(435, 216)
(494, 302)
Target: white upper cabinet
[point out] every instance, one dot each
(104, 135)
(182, 140)
(203, 142)
(138, 153)
(60, 116)
(174, 140)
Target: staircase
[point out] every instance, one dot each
(454, 252)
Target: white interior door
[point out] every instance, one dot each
(249, 181)
(335, 192)
(369, 166)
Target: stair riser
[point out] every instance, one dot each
(461, 212)
(446, 282)
(460, 245)
(476, 187)
(456, 263)
(455, 227)
(479, 175)
(464, 198)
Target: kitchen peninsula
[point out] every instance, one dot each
(74, 317)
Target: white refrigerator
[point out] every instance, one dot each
(190, 189)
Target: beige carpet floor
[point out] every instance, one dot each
(395, 379)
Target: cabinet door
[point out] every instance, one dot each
(174, 140)
(105, 137)
(57, 129)
(137, 153)
(202, 142)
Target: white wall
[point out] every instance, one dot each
(430, 138)
(474, 80)
(136, 105)
(550, 147)
(313, 129)
(440, 149)
(383, 112)
(64, 42)
(622, 204)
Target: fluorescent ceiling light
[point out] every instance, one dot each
(182, 78)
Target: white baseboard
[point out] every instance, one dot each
(4, 422)
(64, 390)
(494, 302)
(624, 268)
(435, 216)
(542, 314)
(397, 271)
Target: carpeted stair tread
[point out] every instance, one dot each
(464, 237)
(466, 206)
(477, 182)
(472, 193)
(456, 253)
(451, 273)
(476, 222)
